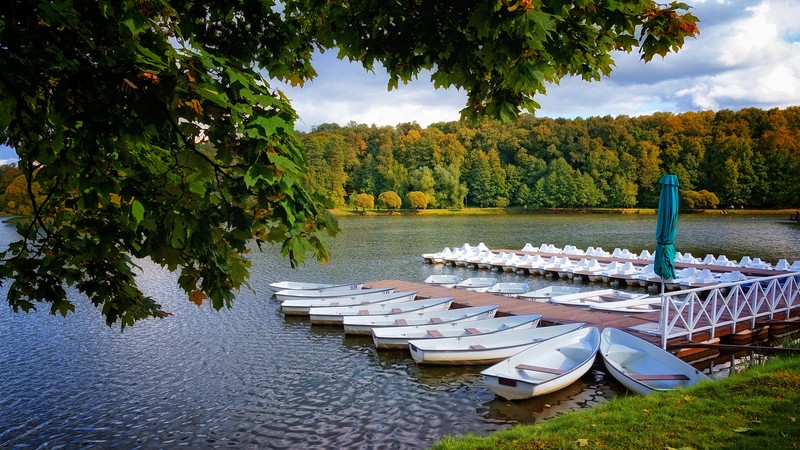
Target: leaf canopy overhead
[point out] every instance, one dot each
(145, 129)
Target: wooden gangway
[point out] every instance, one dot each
(560, 314)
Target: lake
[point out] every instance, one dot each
(251, 378)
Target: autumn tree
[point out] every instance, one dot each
(699, 200)
(152, 130)
(8, 173)
(389, 200)
(364, 201)
(417, 200)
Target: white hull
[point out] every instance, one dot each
(335, 315)
(552, 365)
(477, 284)
(642, 367)
(443, 280)
(296, 285)
(296, 294)
(545, 294)
(365, 324)
(398, 337)
(301, 307)
(639, 305)
(508, 289)
(483, 349)
(589, 298)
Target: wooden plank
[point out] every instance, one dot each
(738, 348)
(540, 369)
(472, 330)
(400, 322)
(435, 333)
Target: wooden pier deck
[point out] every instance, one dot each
(560, 314)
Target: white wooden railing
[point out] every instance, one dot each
(685, 313)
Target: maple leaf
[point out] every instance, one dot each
(197, 296)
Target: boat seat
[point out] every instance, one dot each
(472, 330)
(400, 322)
(660, 377)
(364, 312)
(540, 369)
(575, 353)
(397, 310)
(623, 355)
(436, 320)
(435, 333)
(477, 347)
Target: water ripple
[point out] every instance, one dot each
(250, 378)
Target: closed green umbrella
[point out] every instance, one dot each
(666, 226)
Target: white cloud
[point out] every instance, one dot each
(747, 54)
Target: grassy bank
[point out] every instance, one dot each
(755, 409)
(517, 210)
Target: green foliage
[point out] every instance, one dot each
(364, 201)
(608, 162)
(417, 200)
(699, 200)
(389, 200)
(501, 53)
(149, 131)
(145, 131)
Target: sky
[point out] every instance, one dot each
(747, 55)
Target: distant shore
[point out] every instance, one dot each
(787, 213)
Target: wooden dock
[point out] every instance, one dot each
(560, 314)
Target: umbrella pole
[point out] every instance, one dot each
(662, 322)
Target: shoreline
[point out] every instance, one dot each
(787, 213)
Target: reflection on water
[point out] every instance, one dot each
(250, 377)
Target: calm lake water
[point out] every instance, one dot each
(251, 378)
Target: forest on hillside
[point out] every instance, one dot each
(747, 158)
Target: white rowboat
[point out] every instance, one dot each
(593, 297)
(365, 324)
(398, 337)
(508, 289)
(302, 306)
(287, 294)
(642, 367)
(443, 280)
(544, 294)
(296, 285)
(477, 284)
(335, 314)
(638, 305)
(483, 349)
(544, 368)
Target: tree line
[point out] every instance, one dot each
(747, 158)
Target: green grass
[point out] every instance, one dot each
(755, 409)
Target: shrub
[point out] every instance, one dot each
(417, 200)
(389, 200)
(364, 201)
